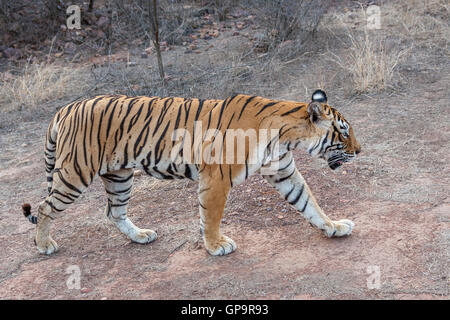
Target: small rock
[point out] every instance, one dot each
(137, 173)
(70, 47)
(100, 34)
(240, 25)
(103, 298)
(12, 53)
(144, 55)
(85, 290)
(280, 217)
(103, 22)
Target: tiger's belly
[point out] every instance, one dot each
(169, 170)
(162, 169)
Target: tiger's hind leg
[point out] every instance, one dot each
(65, 190)
(212, 196)
(118, 185)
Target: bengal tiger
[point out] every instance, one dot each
(111, 135)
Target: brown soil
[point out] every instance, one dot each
(396, 192)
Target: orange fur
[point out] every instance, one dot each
(109, 136)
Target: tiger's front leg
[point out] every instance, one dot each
(291, 185)
(212, 195)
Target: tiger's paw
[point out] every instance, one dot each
(144, 236)
(221, 247)
(341, 228)
(47, 246)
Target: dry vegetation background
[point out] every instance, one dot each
(212, 49)
(392, 83)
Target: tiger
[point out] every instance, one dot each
(111, 136)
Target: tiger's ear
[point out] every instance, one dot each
(319, 96)
(315, 111)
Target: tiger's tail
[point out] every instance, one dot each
(50, 158)
(50, 151)
(26, 207)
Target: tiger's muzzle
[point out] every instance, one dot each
(337, 159)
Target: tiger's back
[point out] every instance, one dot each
(110, 133)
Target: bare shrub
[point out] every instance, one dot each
(424, 23)
(30, 22)
(288, 20)
(370, 64)
(131, 18)
(371, 58)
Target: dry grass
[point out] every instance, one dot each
(372, 57)
(425, 23)
(40, 83)
(371, 65)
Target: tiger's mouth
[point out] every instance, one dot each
(337, 160)
(334, 165)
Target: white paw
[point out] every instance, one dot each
(224, 246)
(342, 227)
(48, 247)
(145, 236)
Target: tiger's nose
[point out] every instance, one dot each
(358, 150)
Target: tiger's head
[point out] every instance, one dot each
(335, 140)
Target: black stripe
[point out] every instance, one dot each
(199, 109)
(290, 162)
(291, 111)
(297, 198)
(289, 193)
(270, 104)
(187, 172)
(304, 207)
(285, 178)
(119, 192)
(114, 178)
(67, 184)
(245, 105)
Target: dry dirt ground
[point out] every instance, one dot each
(397, 193)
